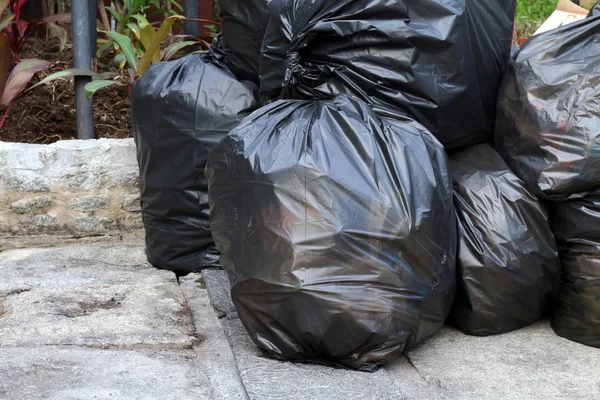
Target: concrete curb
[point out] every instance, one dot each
(215, 357)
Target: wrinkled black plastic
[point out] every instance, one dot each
(243, 24)
(181, 110)
(595, 11)
(442, 60)
(548, 123)
(508, 265)
(337, 230)
(576, 226)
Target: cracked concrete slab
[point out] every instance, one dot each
(97, 316)
(528, 364)
(95, 321)
(98, 295)
(88, 264)
(59, 373)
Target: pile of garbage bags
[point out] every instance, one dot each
(370, 170)
(548, 131)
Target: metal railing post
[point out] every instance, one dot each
(190, 10)
(93, 27)
(82, 58)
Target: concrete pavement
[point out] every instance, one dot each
(95, 321)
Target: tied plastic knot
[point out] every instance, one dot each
(293, 69)
(215, 54)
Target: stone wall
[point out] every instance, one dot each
(73, 187)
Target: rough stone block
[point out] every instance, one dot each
(93, 224)
(122, 152)
(28, 181)
(25, 156)
(132, 222)
(25, 206)
(81, 181)
(131, 203)
(40, 223)
(91, 203)
(126, 177)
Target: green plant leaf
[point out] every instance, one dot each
(19, 77)
(67, 73)
(137, 4)
(119, 61)
(115, 15)
(154, 48)
(135, 29)
(126, 47)
(147, 34)
(176, 5)
(173, 49)
(5, 20)
(4, 5)
(103, 48)
(94, 86)
(142, 21)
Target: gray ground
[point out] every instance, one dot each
(94, 321)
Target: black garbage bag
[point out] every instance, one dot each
(337, 231)
(576, 225)
(508, 265)
(442, 60)
(548, 123)
(243, 24)
(181, 110)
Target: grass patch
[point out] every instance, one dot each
(531, 14)
(535, 9)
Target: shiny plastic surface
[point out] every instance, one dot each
(337, 230)
(441, 60)
(243, 23)
(508, 264)
(548, 124)
(576, 226)
(181, 110)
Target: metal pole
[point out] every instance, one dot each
(190, 10)
(93, 27)
(82, 58)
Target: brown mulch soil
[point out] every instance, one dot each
(47, 113)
